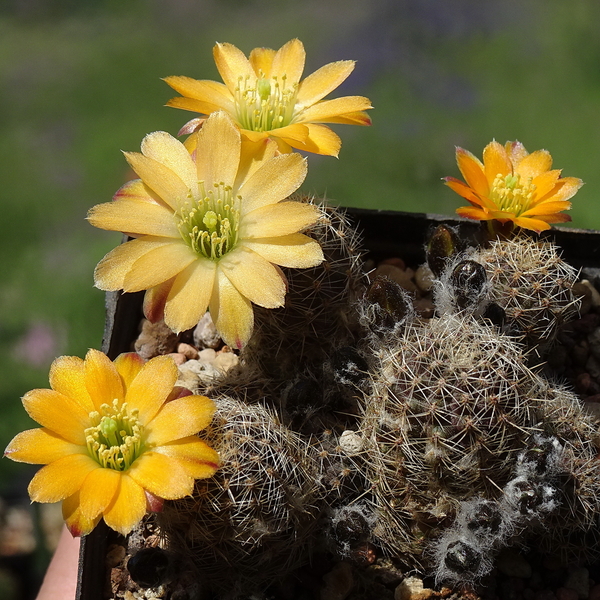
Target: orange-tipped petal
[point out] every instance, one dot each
(40, 447)
(76, 523)
(60, 414)
(471, 212)
(128, 507)
(180, 418)
(61, 478)
(466, 192)
(473, 171)
(533, 224)
(155, 299)
(547, 208)
(67, 376)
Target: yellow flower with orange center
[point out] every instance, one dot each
(264, 95)
(512, 185)
(209, 227)
(117, 438)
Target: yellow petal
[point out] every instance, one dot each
(61, 478)
(295, 250)
(165, 149)
(253, 156)
(191, 104)
(318, 84)
(275, 180)
(547, 208)
(161, 476)
(102, 380)
(134, 216)
(160, 179)
(320, 140)
(110, 272)
(136, 190)
(218, 150)
(233, 64)
(67, 376)
(496, 162)
(261, 60)
(473, 171)
(128, 506)
(297, 132)
(189, 295)
(289, 61)
(323, 111)
(516, 152)
(97, 492)
(471, 212)
(545, 183)
(152, 386)
(278, 219)
(464, 190)
(128, 366)
(61, 414)
(180, 418)
(158, 265)
(566, 188)
(534, 164)
(533, 224)
(213, 94)
(254, 136)
(155, 299)
(231, 312)
(76, 523)
(195, 456)
(40, 447)
(353, 118)
(254, 277)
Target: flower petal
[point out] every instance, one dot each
(180, 418)
(61, 414)
(155, 299)
(67, 376)
(473, 171)
(568, 188)
(496, 162)
(137, 190)
(232, 65)
(193, 105)
(189, 295)
(158, 265)
(218, 150)
(324, 80)
(231, 312)
(214, 95)
(254, 155)
(323, 111)
(254, 277)
(76, 523)
(466, 192)
(151, 387)
(275, 180)
(545, 183)
(195, 456)
(294, 250)
(128, 506)
(547, 208)
(160, 179)
(40, 447)
(471, 212)
(278, 219)
(134, 217)
(102, 380)
(97, 492)
(320, 140)
(110, 272)
(261, 60)
(534, 164)
(297, 132)
(61, 478)
(128, 365)
(289, 61)
(161, 476)
(533, 224)
(353, 118)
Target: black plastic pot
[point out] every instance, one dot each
(385, 234)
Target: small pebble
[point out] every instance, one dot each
(424, 278)
(351, 443)
(205, 334)
(155, 339)
(177, 357)
(402, 277)
(188, 351)
(114, 555)
(412, 589)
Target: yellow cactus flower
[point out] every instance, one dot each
(512, 185)
(209, 227)
(264, 95)
(117, 438)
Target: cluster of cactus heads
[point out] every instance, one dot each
(352, 423)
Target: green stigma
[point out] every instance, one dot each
(116, 439)
(209, 226)
(266, 104)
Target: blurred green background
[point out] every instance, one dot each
(80, 81)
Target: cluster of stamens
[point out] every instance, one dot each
(511, 194)
(116, 440)
(210, 225)
(265, 104)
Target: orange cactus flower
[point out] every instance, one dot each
(512, 185)
(264, 95)
(116, 439)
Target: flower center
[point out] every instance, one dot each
(116, 439)
(210, 225)
(267, 105)
(511, 194)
